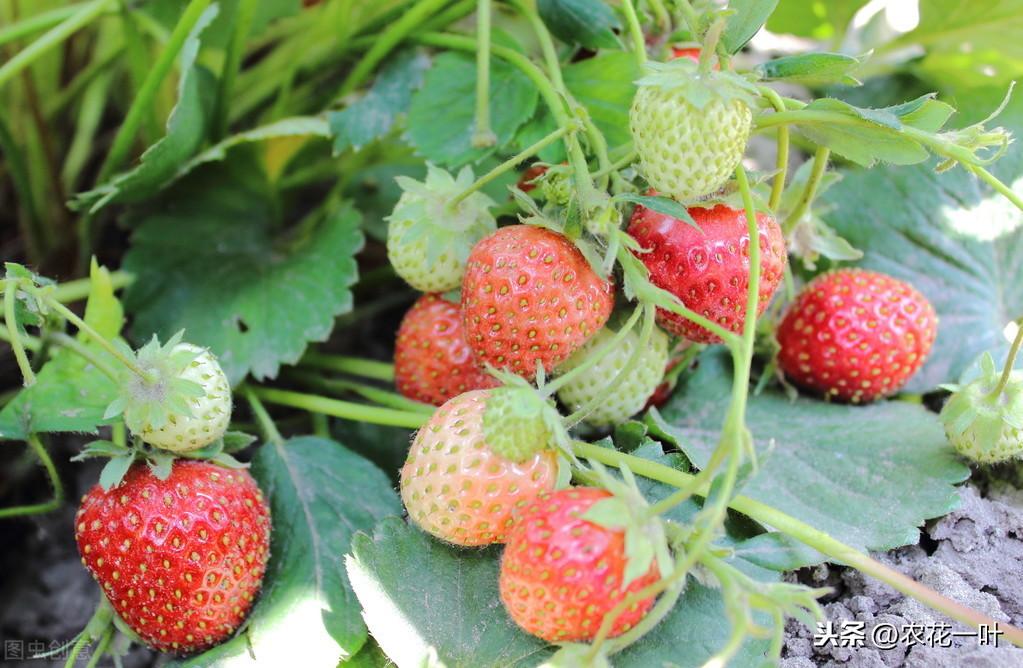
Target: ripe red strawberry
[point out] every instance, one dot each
(461, 486)
(561, 574)
(692, 53)
(708, 269)
(529, 176)
(530, 296)
(181, 559)
(432, 361)
(856, 335)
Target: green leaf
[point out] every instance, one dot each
(866, 145)
(373, 116)
(811, 69)
(209, 259)
(590, 23)
(991, 27)
(867, 475)
(747, 20)
(320, 494)
(952, 238)
(827, 20)
(777, 552)
(449, 612)
(605, 86)
(297, 126)
(186, 130)
(442, 116)
(70, 394)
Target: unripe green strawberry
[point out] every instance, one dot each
(629, 395)
(462, 489)
(180, 560)
(429, 238)
(689, 129)
(983, 425)
(184, 404)
(211, 412)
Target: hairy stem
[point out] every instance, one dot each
(374, 394)
(820, 166)
(1010, 361)
(835, 550)
(511, 163)
(51, 472)
(342, 409)
(782, 163)
(594, 357)
(635, 32)
(263, 419)
(10, 300)
(483, 136)
(355, 366)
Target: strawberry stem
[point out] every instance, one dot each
(10, 316)
(635, 32)
(820, 165)
(79, 289)
(101, 340)
(1010, 361)
(355, 366)
(263, 419)
(837, 551)
(341, 409)
(374, 394)
(594, 357)
(51, 472)
(484, 136)
(782, 162)
(80, 349)
(511, 163)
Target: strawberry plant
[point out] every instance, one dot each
(501, 332)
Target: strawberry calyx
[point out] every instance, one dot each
(980, 408)
(627, 510)
(434, 213)
(122, 456)
(697, 87)
(518, 421)
(572, 655)
(149, 402)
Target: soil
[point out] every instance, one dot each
(973, 555)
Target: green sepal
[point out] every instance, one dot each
(101, 448)
(443, 228)
(149, 403)
(236, 441)
(646, 539)
(661, 204)
(114, 471)
(161, 463)
(699, 88)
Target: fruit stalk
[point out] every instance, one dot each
(511, 163)
(550, 388)
(51, 472)
(836, 550)
(10, 297)
(483, 136)
(782, 163)
(820, 165)
(263, 419)
(355, 366)
(1010, 361)
(374, 394)
(342, 409)
(635, 32)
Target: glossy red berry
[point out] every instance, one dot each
(181, 560)
(856, 335)
(708, 268)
